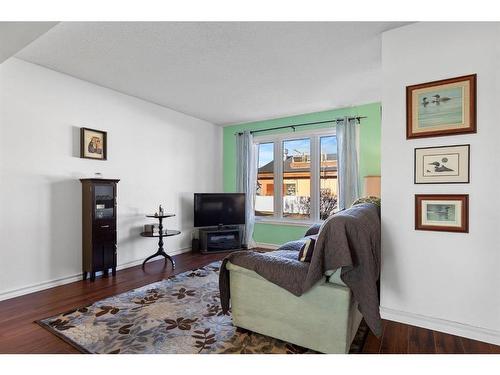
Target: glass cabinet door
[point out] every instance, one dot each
(104, 205)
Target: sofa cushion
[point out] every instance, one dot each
(371, 199)
(293, 245)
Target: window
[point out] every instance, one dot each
(327, 176)
(297, 176)
(264, 200)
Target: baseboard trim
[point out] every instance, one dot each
(442, 325)
(72, 278)
(264, 245)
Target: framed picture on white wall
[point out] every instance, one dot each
(439, 108)
(442, 165)
(93, 144)
(442, 212)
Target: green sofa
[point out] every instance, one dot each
(324, 319)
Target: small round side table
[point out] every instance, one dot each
(160, 236)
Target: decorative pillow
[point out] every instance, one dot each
(370, 199)
(293, 245)
(306, 252)
(314, 229)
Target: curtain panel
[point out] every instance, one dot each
(246, 176)
(347, 162)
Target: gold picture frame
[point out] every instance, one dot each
(441, 108)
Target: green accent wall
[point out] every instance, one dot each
(369, 163)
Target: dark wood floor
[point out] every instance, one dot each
(18, 333)
(399, 338)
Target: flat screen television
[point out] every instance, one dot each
(214, 209)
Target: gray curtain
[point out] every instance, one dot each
(246, 181)
(347, 162)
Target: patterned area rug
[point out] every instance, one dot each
(181, 314)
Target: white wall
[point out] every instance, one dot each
(161, 156)
(444, 281)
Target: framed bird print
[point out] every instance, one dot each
(441, 212)
(442, 165)
(439, 108)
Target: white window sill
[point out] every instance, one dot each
(277, 221)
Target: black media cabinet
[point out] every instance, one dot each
(214, 240)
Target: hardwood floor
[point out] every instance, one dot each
(19, 333)
(399, 338)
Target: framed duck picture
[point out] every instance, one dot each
(440, 108)
(442, 165)
(440, 212)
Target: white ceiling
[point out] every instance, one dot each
(14, 36)
(223, 72)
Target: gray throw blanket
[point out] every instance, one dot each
(349, 240)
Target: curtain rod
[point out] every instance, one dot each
(304, 124)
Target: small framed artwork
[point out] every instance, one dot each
(442, 165)
(93, 144)
(441, 212)
(441, 108)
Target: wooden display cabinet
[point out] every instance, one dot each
(98, 226)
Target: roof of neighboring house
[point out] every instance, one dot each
(269, 167)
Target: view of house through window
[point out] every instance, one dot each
(299, 185)
(327, 176)
(264, 200)
(297, 178)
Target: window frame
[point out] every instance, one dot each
(278, 139)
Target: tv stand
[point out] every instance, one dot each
(224, 227)
(220, 239)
